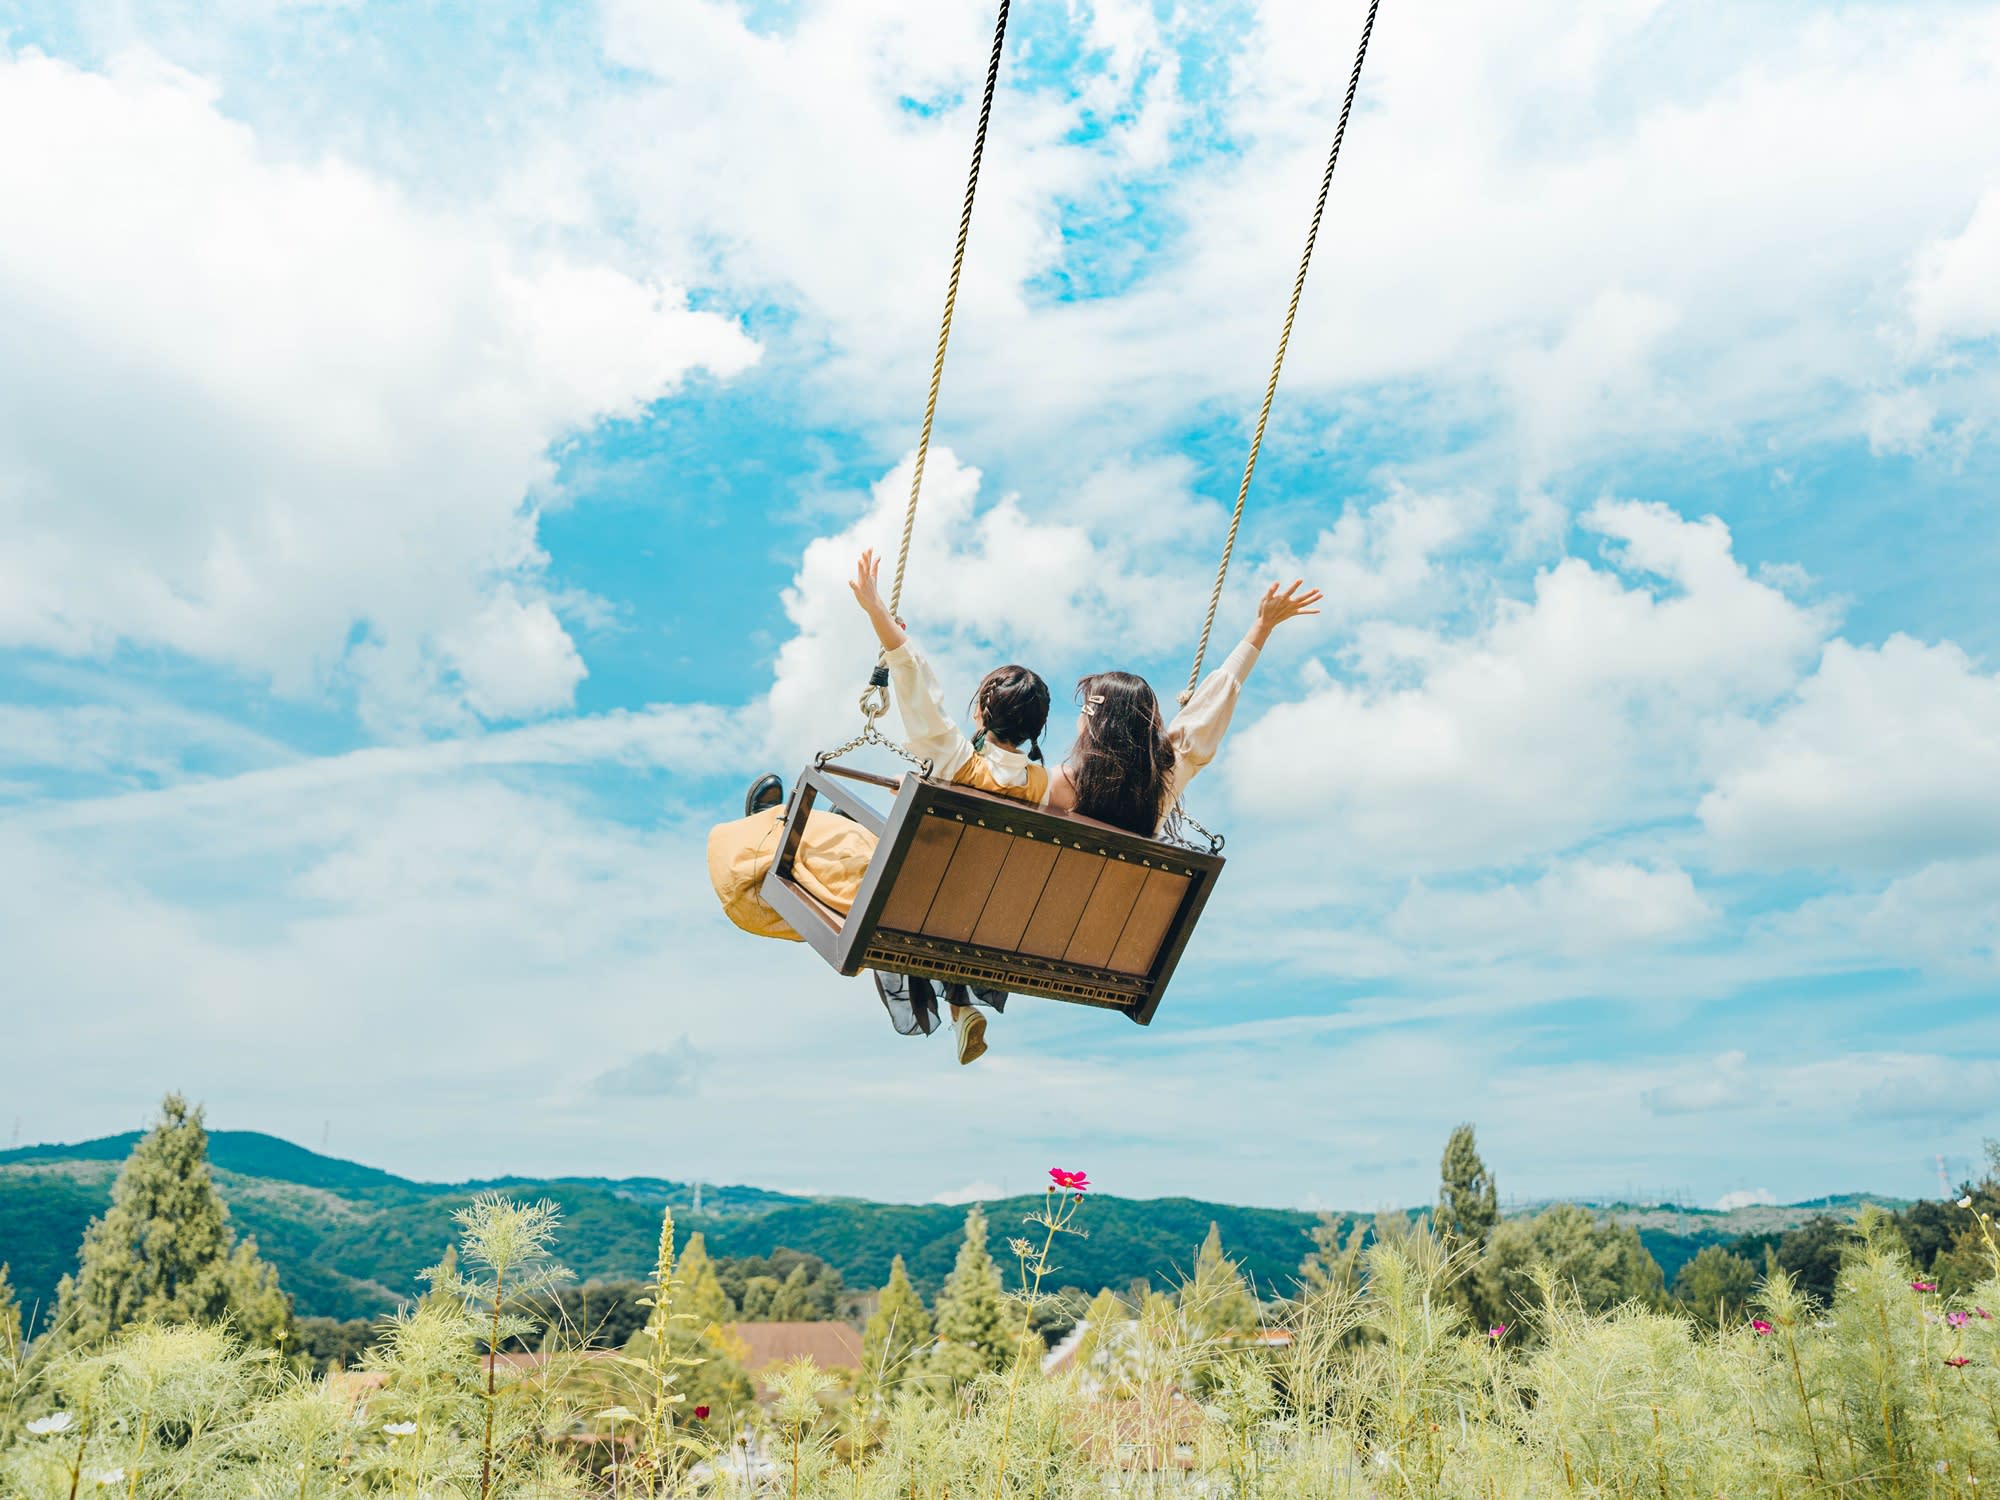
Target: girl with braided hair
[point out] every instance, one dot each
(1003, 756)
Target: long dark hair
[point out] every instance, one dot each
(1012, 706)
(1122, 762)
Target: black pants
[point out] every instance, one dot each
(914, 1004)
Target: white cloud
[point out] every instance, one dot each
(977, 1191)
(1745, 1198)
(1574, 907)
(1886, 757)
(1954, 293)
(272, 414)
(1572, 712)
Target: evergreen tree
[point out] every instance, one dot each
(1716, 1286)
(10, 1322)
(972, 1325)
(164, 1249)
(895, 1341)
(1216, 1302)
(794, 1301)
(702, 1297)
(1468, 1202)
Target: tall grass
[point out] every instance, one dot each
(1380, 1386)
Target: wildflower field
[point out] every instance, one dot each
(1374, 1381)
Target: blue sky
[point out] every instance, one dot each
(435, 436)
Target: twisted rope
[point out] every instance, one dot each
(950, 304)
(1284, 343)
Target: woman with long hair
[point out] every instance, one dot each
(1129, 765)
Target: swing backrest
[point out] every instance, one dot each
(978, 889)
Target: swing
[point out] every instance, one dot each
(970, 888)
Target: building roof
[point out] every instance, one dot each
(831, 1346)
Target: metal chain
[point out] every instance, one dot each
(1284, 343)
(874, 703)
(950, 304)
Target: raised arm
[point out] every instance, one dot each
(1197, 730)
(929, 731)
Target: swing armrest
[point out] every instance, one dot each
(820, 782)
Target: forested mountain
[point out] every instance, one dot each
(349, 1240)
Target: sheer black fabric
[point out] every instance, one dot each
(918, 1006)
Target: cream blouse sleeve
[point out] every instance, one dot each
(929, 731)
(1197, 730)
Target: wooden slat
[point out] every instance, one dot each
(1015, 894)
(1062, 902)
(1152, 914)
(1105, 913)
(962, 894)
(931, 848)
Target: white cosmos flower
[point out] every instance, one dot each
(399, 1429)
(104, 1478)
(52, 1425)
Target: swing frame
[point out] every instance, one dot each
(919, 840)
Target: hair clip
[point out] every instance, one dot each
(1090, 704)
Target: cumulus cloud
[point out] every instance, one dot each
(1954, 294)
(274, 415)
(1555, 717)
(1886, 757)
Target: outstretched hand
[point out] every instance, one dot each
(1280, 604)
(866, 586)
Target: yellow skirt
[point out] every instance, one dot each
(833, 857)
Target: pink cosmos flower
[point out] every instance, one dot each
(701, 1414)
(1958, 1361)
(1983, 1313)
(1923, 1286)
(1070, 1182)
(1759, 1326)
(1958, 1319)
(1497, 1331)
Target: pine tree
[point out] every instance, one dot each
(895, 1341)
(1468, 1202)
(794, 1302)
(10, 1322)
(1216, 1301)
(702, 1297)
(972, 1327)
(164, 1249)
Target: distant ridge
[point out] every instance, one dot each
(348, 1240)
(250, 1153)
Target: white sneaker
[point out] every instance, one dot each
(971, 1029)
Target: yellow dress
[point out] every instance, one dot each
(833, 854)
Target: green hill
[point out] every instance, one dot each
(349, 1240)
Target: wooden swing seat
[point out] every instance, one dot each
(971, 888)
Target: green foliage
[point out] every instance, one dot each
(1216, 1300)
(973, 1333)
(895, 1343)
(164, 1251)
(705, 1300)
(1601, 1265)
(1717, 1286)
(10, 1318)
(1384, 1391)
(1468, 1200)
